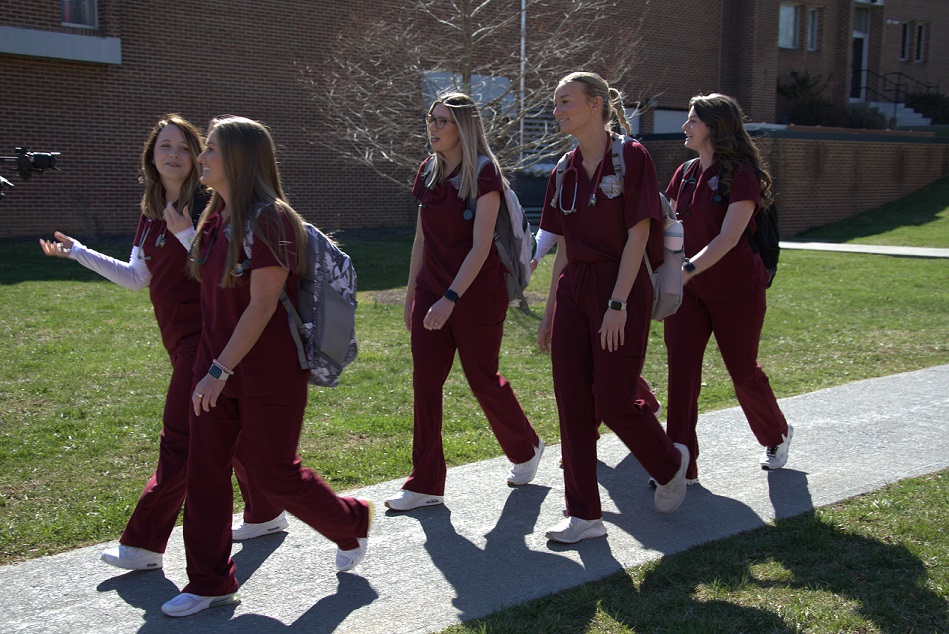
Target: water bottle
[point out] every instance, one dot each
(674, 237)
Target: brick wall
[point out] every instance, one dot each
(237, 61)
(241, 57)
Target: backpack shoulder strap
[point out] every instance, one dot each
(558, 179)
(473, 201)
(619, 161)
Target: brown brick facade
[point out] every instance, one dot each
(243, 57)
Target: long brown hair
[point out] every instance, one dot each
(731, 143)
(153, 200)
(250, 168)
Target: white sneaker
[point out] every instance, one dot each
(573, 529)
(776, 457)
(349, 559)
(669, 496)
(408, 500)
(186, 604)
(524, 472)
(248, 530)
(132, 558)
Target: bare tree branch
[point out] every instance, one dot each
(371, 90)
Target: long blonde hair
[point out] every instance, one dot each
(250, 168)
(153, 200)
(595, 86)
(474, 142)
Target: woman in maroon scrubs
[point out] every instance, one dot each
(596, 321)
(173, 196)
(456, 299)
(252, 394)
(717, 198)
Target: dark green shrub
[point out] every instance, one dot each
(860, 116)
(934, 105)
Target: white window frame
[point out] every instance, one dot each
(789, 34)
(919, 55)
(813, 29)
(89, 9)
(905, 41)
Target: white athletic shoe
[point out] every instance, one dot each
(247, 530)
(408, 500)
(186, 604)
(777, 456)
(523, 472)
(132, 558)
(573, 529)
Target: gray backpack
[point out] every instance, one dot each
(323, 323)
(667, 279)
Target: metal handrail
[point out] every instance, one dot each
(899, 87)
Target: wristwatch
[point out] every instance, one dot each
(217, 372)
(615, 304)
(688, 266)
(451, 295)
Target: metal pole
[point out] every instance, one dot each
(523, 70)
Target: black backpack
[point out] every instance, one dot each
(765, 240)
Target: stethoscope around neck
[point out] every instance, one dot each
(159, 241)
(693, 180)
(576, 185)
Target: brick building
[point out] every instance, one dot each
(88, 78)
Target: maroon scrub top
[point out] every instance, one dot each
(740, 273)
(271, 364)
(449, 236)
(599, 233)
(174, 294)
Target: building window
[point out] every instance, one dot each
(813, 32)
(789, 23)
(861, 20)
(920, 42)
(80, 12)
(904, 43)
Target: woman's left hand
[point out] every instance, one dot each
(613, 331)
(438, 314)
(206, 393)
(177, 221)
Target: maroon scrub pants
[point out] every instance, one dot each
(593, 384)
(266, 431)
(157, 510)
(737, 328)
(474, 329)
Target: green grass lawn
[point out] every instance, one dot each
(84, 373)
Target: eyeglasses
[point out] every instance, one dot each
(440, 122)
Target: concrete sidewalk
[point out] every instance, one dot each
(906, 252)
(485, 548)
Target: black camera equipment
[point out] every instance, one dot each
(28, 163)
